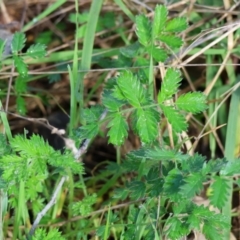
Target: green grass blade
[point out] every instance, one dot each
(44, 14)
(88, 48)
(124, 8)
(229, 151)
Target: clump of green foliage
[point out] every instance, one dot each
(165, 180)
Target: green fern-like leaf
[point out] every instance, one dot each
(220, 192)
(64, 163)
(171, 41)
(145, 122)
(143, 30)
(42, 234)
(176, 25)
(193, 102)
(159, 20)
(35, 146)
(170, 85)
(157, 53)
(37, 50)
(131, 88)
(21, 66)
(175, 118)
(84, 206)
(118, 129)
(18, 42)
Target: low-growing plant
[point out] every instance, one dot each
(165, 179)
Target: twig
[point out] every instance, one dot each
(47, 207)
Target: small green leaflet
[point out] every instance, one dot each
(193, 102)
(88, 131)
(20, 84)
(159, 20)
(220, 192)
(193, 185)
(157, 53)
(92, 114)
(110, 102)
(137, 189)
(173, 183)
(171, 41)
(18, 42)
(194, 163)
(143, 30)
(118, 129)
(131, 88)
(21, 105)
(170, 85)
(176, 229)
(159, 154)
(146, 123)
(21, 66)
(176, 119)
(130, 51)
(37, 50)
(232, 167)
(176, 25)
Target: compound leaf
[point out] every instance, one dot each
(193, 102)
